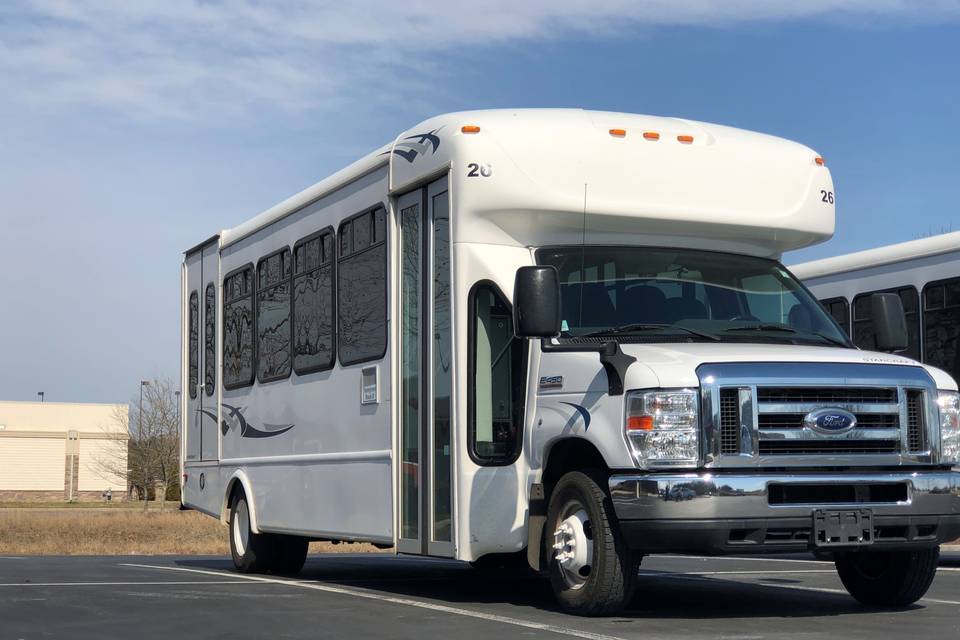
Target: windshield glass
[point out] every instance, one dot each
(663, 293)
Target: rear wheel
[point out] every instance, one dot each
(251, 552)
(888, 578)
(592, 571)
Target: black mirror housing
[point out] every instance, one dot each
(536, 302)
(889, 322)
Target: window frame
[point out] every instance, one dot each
(896, 290)
(923, 315)
(847, 327)
(193, 348)
(333, 291)
(253, 324)
(471, 378)
(210, 341)
(371, 210)
(256, 315)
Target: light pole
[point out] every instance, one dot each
(40, 395)
(140, 443)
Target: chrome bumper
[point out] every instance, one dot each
(711, 496)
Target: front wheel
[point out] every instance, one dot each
(888, 578)
(251, 552)
(592, 571)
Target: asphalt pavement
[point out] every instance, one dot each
(382, 596)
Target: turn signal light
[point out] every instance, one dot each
(640, 423)
(469, 128)
(651, 135)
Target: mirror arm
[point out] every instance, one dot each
(615, 362)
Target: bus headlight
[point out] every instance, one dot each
(949, 404)
(663, 427)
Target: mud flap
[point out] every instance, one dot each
(537, 519)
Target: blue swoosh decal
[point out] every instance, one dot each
(583, 413)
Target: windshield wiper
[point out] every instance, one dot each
(646, 326)
(785, 329)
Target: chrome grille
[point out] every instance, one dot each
(832, 447)
(730, 421)
(831, 396)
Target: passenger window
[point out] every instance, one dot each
(497, 389)
(194, 354)
(238, 328)
(863, 332)
(362, 290)
(210, 339)
(839, 309)
(273, 316)
(941, 325)
(313, 303)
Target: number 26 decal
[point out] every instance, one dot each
(475, 170)
(826, 196)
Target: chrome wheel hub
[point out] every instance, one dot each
(573, 547)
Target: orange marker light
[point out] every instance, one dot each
(685, 139)
(469, 128)
(620, 133)
(651, 135)
(640, 423)
(818, 160)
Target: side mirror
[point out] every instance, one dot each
(889, 322)
(536, 302)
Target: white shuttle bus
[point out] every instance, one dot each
(924, 273)
(563, 337)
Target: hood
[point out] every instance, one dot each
(675, 365)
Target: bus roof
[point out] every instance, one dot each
(879, 256)
(648, 177)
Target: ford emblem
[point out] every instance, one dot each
(830, 420)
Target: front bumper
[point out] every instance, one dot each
(769, 513)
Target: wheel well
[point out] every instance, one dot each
(234, 489)
(570, 454)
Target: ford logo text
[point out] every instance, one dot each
(830, 420)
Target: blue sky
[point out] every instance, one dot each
(130, 131)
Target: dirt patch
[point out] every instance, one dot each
(122, 532)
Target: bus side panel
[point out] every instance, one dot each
(318, 459)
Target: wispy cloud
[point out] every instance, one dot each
(216, 58)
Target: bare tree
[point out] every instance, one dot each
(150, 457)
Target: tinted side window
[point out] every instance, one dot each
(839, 309)
(362, 287)
(194, 351)
(273, 316)
(313, 303)
(941, 325)
(498, 380)
(863, 332)
(210, 339)
(238, 328)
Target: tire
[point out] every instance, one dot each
(888, 578)
(251, 552)
(592, 571)
(289, 554)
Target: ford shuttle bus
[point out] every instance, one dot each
(565, 338)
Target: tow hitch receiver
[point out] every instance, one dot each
(852, 528)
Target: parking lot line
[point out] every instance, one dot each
(119, 584)
(702, 577)
(357, 593)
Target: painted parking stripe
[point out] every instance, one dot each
(702, 578)
(119, 584)
(357, 593)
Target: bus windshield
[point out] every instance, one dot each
(654, 294)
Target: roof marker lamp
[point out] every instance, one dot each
(469, 128)
(949, 404)
(663, 428)
(651, 135)
(618, 133)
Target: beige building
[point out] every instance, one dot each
(62, 450)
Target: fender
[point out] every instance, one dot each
(239, 476)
